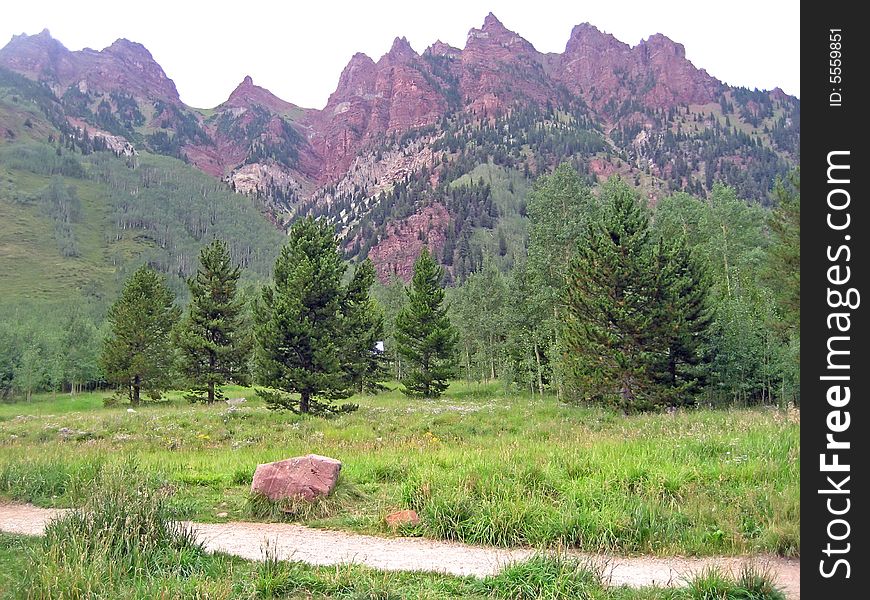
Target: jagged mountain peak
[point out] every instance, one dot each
(356, 79)
(401, 45)
(123, 45)
(124, 66)
(400, 52)
(248, 94)
(329, 160)
(492, 35)
(39, 56)
(586, 35)
(440, 48)
(491, 22)
(660, 43)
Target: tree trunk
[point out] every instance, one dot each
(492, 361)
(467, 363)
(557, 376)
(137, 383)
(304, 402)
(538, 364)
(211, 370)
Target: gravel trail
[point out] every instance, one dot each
(324, 547)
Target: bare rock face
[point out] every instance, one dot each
(124, 66)
(373, 99)
(395, 254)
(499, 67)
(247, 94)
(439, 48)
(39, 56)
(600, 68)
(403, 517)
(307, 477)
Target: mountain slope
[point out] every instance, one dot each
(382, 158)
(76, 216)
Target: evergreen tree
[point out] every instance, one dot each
(212, 344)
(680, 325)
(363, 329)
(784, 255)
(299, 324)
(137, 353)
(425, 338)
(609, 313)
(783, 275)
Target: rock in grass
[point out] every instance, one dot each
(303, 477)
(403, 517)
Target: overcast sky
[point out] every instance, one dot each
(298, 49)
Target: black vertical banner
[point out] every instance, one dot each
(835, 373)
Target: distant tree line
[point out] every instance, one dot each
(696, 300)
(615, 303)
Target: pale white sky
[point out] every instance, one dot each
(298, 49)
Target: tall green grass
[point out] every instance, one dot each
(219, 577)
(479, 466)
(123, 534)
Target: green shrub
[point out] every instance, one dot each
(751, 584)
(123, 533)
(545, 577)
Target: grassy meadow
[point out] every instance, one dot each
(478, 465)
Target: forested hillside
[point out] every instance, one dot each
(103, 168)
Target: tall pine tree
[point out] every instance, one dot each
(300, 326)
(137, 354)
(609, 312)
(784, 256)
(681, 321)
(363, 329)
(211, 340)
(425, 338)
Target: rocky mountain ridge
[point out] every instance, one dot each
(643, 111)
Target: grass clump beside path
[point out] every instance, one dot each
(478, 465)
(143, 555)
(121, 537)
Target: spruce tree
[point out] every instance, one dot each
(681, 321)
(299, 324)
(213, 346)
(784, 256)
(609, 312)
(363, 329)
(425, 338)
(138, 352)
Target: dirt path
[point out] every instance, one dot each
(321, 547)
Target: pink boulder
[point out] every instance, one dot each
(308, 477)
(403, 517)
